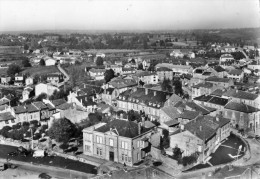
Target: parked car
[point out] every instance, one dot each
(44, 176)
(10, 165)
(13, 154)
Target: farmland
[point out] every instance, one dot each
(41, 70)
(10, 54)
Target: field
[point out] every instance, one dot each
(111, 51)
(41, 70)
(10, 54)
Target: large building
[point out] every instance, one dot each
(118, 141)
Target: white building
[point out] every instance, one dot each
(50, 62)
(45, 88)
(29, 81)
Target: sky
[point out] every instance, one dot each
(20, 15)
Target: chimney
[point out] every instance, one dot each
(154, 93)
(139, 128)
(146, 91)
(200, 128)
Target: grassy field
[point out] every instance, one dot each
(41, 70)
(112, 50)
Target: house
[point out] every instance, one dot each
(164, 73)
(212, 102)
(118, 141)
(243, 116)
(236, 74)
(127, 71)
(121, 84)
(143, 99)
(148, 77)
(187, 115)
(27, 93)
(108, 95)
(84, 101)
(29, 81)
(97, 74)
(7, 118)
(177, 69)
(239, 96)
(146, 64)
(119, 63)
(18, 80)
(45, 88)
(102, 55)
(5, 80)
(176, 53)
(50, 62)
(221, 72)
(225, 58)
(202, 135)
(54, 78)
(255, 68)
(116, 68)
(220, 82)
(204, 88)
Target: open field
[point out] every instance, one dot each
(10, 54)
(41, 70)
(112, 50)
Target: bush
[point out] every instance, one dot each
(5, 131)
(26, 124)
(44, 127)
(187, 160)
(34, 122)
(64, 146)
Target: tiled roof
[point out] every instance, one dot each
(64, 106)
(207, 73)
(203, 85)
(171, 111)
(124, 128)
(6, 116)
(241, 107)
(217, 79)
(221, 121)
(240, 94)
(122, 83)
(199, 108)
(40, 105)
(218, 92)
(189, 114)
(235, 72)
(163, 69)
(58, 102)
(218, 101)
(201, 128)
(31, 108)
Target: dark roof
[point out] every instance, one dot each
(40, 105)
(163, 69)
(109, 90)
(217, 79)
(200, 108)
(172, 122)
(240, 94)
(171, 111)
(219, 68)
(86, 101)
(31, 108)
(20, 109)
(221, 121)
(64, 106)
(241, 107)
(203, 85)
(204, 98)
(207, 73)
(124, 128)
(218, 101)
(189, 114)
(153, 98)
(58, 102)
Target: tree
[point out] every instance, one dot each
(42, 62)
(166, 86)
(41, 97)
(165, 142)
(109, 74)
(134, 116)
(177, 154)
(5, 131)
(141, 83)
(26, 62)
(62, 130)
(26, 47)
(140, 66)
(13, 69)
(94, 118)
(99, 61)
(132, 61)
(178, 87)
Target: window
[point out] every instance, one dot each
(99, 140)
(111, 142)
(87, 148)
(12, 121)
(124, 145)
(124, 157)
(6, 122)
(88, 137)
(99, 151)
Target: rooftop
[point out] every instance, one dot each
(241, 107)
(217, 79)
